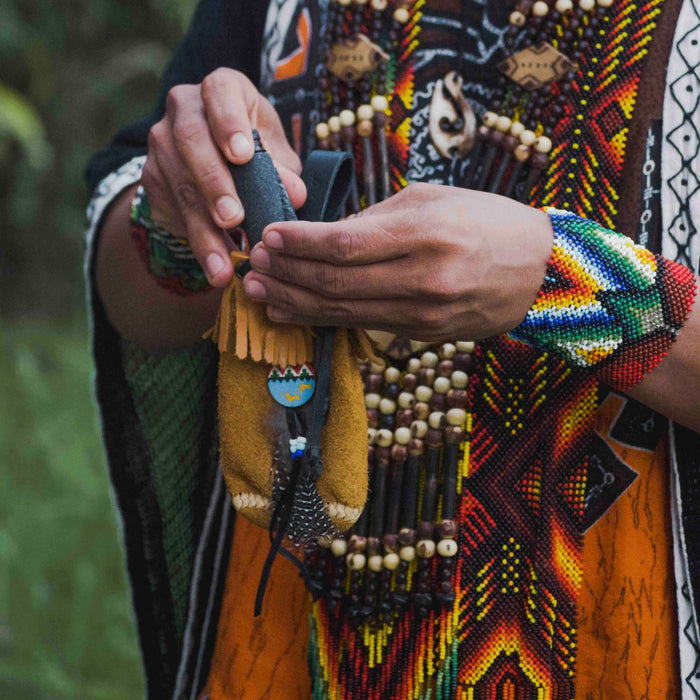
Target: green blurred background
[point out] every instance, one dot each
(71, 72)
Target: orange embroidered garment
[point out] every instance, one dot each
(628, 647)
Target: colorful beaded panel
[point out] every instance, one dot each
(606, 303)
(169, 259)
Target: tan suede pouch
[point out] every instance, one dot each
(252, 424)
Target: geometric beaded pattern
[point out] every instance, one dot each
(169, 259)
(590, 140)
(607, 303)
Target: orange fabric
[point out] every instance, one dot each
(628, 645)
(628, 639)
(264, 657)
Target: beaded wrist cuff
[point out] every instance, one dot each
(607, 303)
(169, 259)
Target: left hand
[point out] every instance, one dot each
(430, 263)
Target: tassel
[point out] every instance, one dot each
(242, 327)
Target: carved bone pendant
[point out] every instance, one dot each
(452, 121)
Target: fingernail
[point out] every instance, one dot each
(240, 145)
(254, 289)
(214, 263)
(273, 239)
(228, 208)
(260, 258)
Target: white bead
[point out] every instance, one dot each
(527, 138)
(391, 561)
(371, 436)
(379, 4)
(564, 6)
(375, 562)
(407, 553)
(425, 549)
(521, 153)
(423, 393)
(392, 375)
(447, 548)
(413, 365)
(605, 3)
(401, 15)
(447, 351)
(540, 8)
(334, 124)
(322, 130)
(387, 406)
(435, 420)
(347, 117)
(490, 119)
(372, 400)
(503, 124)
(379, 102)
(356, 561)
(365, 112)
(543, 144)
(385, 438)
(429, 359)
(459, 379)
(441, 385)
(406, 400)
(345, 3)
(517, 18)
(456, 416)
(465, 347)
(419, 428)
(402, 435)
(586, 5)
(339, 547)
(517, 128)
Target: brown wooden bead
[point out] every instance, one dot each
(539, 161)
(373, 416)
(433, 438)
(410, 382)
(509, 143)
(347, 133)
(416, 447)
(391, 543)
(421, 410)
(374, 546)
(374, 383)
(426, 376)
(454, 435)
(447, 529)
(383, 454)
(437, 402)
(457, 398)
(426, 530)
(357, 543)
(399, 453)
(464, 362)
(404, 418)
(407, 537)
(445, 368)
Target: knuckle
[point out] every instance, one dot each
(156, 135)
(188, 131)
(175, 97)
(186, 195)
(342, 246)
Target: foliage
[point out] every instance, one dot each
(65, 624)
(73, 71)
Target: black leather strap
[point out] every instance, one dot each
(327, 176)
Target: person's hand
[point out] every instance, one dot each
(189, 187)
(430, 263)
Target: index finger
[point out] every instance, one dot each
(353, 241)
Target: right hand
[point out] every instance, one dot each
(189, 187)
